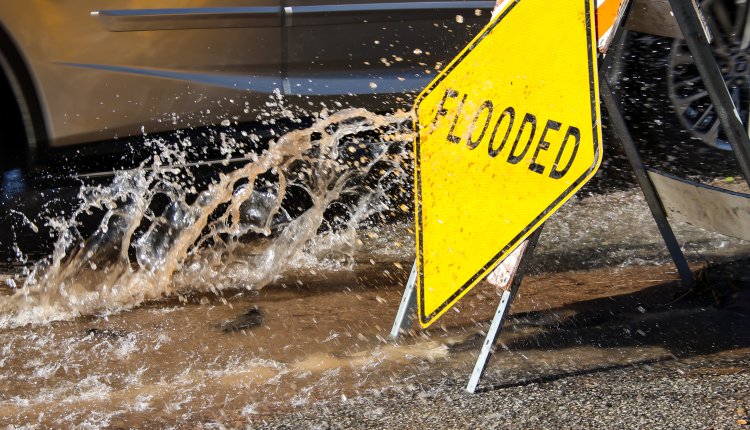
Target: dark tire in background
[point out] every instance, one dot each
(691, 102)
(13, 170)
(13, 138)
(668, 110)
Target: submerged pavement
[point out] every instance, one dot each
(601, 335)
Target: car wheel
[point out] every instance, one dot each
(667, 108)
(730, 45)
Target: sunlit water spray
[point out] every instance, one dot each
(310, 202)
(199, 241)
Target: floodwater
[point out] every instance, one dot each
(138, 327)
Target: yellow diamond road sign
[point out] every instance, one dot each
(506, 134)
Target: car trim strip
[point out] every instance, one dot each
(383, 12)
(258, 83)
(249, 17)
(189, 18)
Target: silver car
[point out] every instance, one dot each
(83, 71)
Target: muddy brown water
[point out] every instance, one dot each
(323, 335)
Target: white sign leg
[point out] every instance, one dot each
(489, 342)
(407, 307)
(502, 310)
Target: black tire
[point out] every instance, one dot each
(667, 108)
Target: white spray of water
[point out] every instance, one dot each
(195, 243)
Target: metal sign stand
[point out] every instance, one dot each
(692, 29)
(488, 347)
(689, 22)
(408, 305)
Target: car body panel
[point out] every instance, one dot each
(105, 70)
(98, 84)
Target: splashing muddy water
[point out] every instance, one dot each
(197, 241)
(128, 328)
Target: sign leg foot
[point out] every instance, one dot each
(408, 305)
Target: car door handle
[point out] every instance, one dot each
(189, 18)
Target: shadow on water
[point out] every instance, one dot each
(560, 376)
(677, 322)
(685, 329)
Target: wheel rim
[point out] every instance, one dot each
(693, 106)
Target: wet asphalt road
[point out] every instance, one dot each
(604, 348)
(685, 365)
(709, 392)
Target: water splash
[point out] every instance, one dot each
(236, 232)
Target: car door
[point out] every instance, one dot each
(375, 54)
(123, 67)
